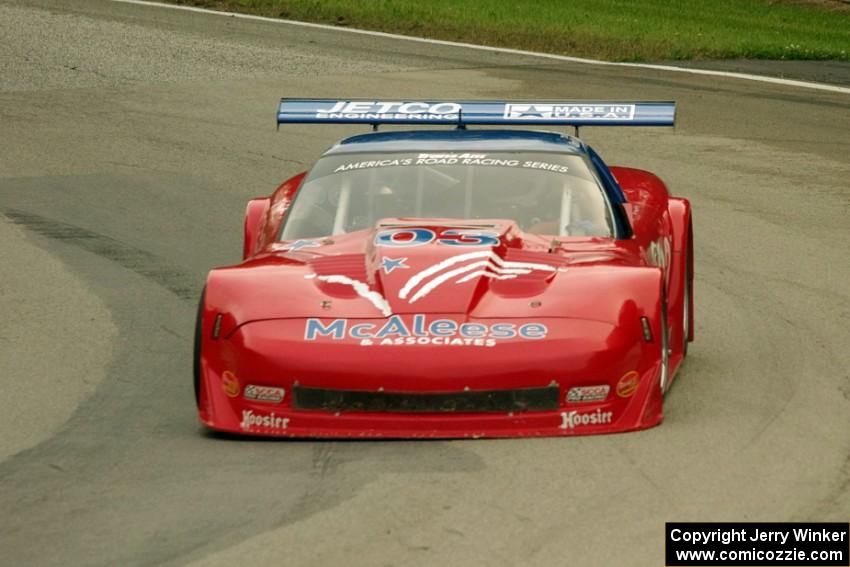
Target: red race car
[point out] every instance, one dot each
(452, 282)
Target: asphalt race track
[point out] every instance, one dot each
(131, 138)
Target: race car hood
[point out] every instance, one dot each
(482, 269)
(450, 273)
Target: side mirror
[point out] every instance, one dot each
(255, 219)
(638, 185)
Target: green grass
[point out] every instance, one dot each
(617, 30)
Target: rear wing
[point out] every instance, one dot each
(503, 113)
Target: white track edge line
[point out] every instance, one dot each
(728, 74)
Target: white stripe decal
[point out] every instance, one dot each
(414, 281)
(486, 274)
(494, 272)
(529, 265)
(431, 285)
(726, 74)
(362, 290)
(489, 268)
(512, 268)
(436, 268)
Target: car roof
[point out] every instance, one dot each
(459, 140)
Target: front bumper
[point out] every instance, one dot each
(221, 412)
(515, 389)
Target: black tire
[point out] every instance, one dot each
(197, 352)
(686, 320)
(665, 347)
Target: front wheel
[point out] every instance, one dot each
(665, 345)
(197, 350)
(686, 318)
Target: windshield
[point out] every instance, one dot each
(545, 193)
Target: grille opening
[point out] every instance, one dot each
(518, 400)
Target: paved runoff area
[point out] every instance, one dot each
(132, 137)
